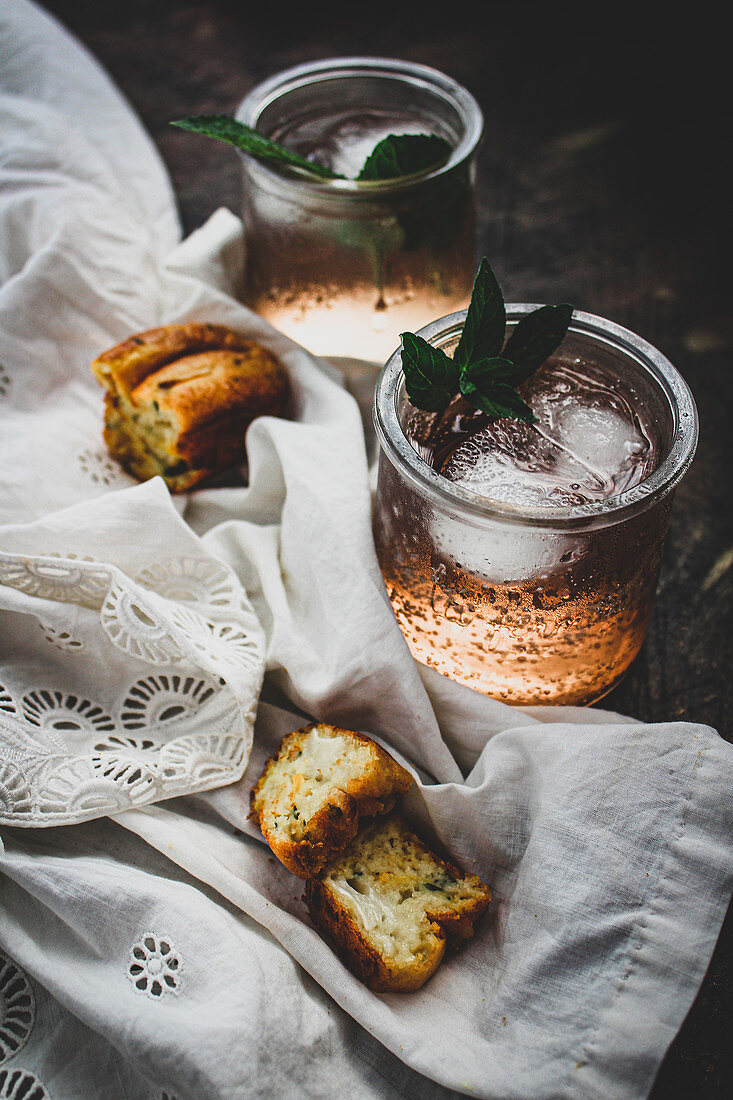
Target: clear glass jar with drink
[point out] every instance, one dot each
(344, 265)
(522, 559)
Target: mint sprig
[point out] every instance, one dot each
(535, 338)
(484, 370)
(394, 156)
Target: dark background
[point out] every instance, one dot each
(604, 179)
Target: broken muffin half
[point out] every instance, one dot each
(312, 793)
(180, 398)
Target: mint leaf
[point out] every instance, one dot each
(502, 400)
(405, 155)
(485, 325)
(486, 372)
(431, 377)
(223, 128)
(535, 338)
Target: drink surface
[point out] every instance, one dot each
(343, 139)
(593, 440)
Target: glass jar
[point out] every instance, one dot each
(529, 604)
(344, 266)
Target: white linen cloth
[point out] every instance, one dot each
(165, 952)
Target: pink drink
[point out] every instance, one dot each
(522, 560)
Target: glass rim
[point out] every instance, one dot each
(612, 510)
(268, 91)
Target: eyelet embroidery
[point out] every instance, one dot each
(133, 747)
(159, 699)
(43, 782)
(234, 639)
(71, 579)
(100, 469)
(203, 757)
(193, 580)
(133, 624)
(20, 747)
(102, 784)
(224, 646)
(154, 967)
(67, 756)
(19, 1084)
(17, 1009)
(65, 719)
(54, 710)
(62, 639)
(15, 791)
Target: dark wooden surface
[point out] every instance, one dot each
(604, 179)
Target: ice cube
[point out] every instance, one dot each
(604, 443)
(500, 552)
(590, 443)
(516, 464)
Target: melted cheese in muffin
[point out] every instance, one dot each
(301, 784)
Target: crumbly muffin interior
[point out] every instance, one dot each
(152, 433)
(300, 783)
(394, 889)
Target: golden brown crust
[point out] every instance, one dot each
(180, 399)
(200, 389)
(124, 366)
(335, 824)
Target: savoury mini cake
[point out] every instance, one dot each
(310, 796)
(389, 906)
(180, 398)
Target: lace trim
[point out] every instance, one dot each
(66, 580)
(45, 783)
(163, 698)
(68, 756)
(193, 581)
